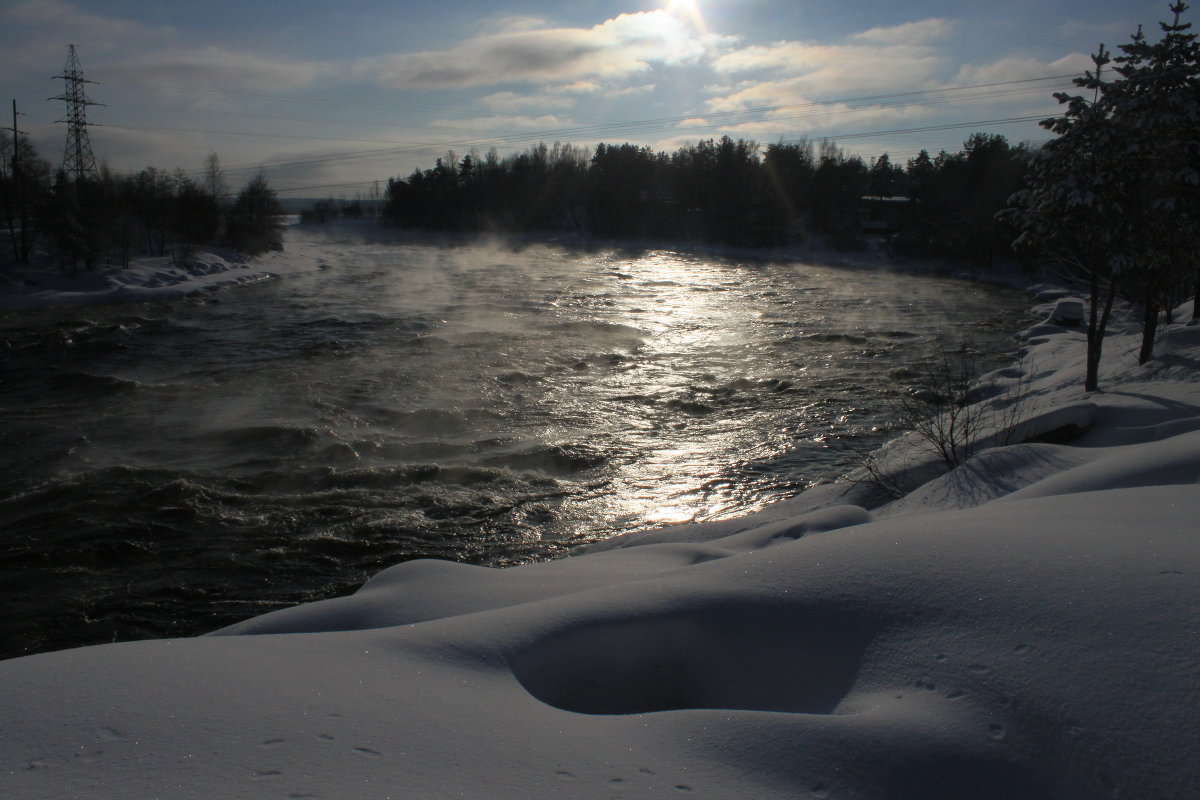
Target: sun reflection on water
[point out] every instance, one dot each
(691, 366)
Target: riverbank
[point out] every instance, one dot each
(1021, 626)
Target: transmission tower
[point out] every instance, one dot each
(77, 156)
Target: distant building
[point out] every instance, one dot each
(882, 216)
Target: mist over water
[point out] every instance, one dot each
(167, 469)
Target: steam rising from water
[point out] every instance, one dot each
(169, 469)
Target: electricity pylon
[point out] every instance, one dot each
(77, 156)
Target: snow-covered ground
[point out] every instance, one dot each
(1026, 626)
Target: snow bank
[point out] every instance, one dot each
(149, 279)
(1024, 626)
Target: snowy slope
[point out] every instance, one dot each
(1027, 626)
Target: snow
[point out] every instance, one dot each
(148, 279)
(1027, 625)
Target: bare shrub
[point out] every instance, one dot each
(950, 416)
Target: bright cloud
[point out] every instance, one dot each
(621, 46)
(874, 60)
(828, 70)
(879, 55)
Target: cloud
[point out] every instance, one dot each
(113, 49)
(212, 66)
(789, 84)
(579, 87)
(71, 23)
(877, 59)
(631, 91)
(839, 117)
(1019, 69)
(511, 101)
(823, 71)
(606, 89)
(513, 24)
(918, 33)
(618, 47)
(501, 122)
(36, 32)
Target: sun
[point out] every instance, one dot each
(688, 10)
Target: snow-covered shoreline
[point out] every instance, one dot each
(147, 279)
(1024, 626)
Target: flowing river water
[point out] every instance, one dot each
(170, 468)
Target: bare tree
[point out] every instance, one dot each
(213, 181)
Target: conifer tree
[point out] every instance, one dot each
(1073, 209)
(1156, 104)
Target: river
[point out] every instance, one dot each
(170, 468)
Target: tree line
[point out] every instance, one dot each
(107, 218)
(723, 191)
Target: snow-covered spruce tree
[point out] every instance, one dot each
(1157, 103)
(1074, 210)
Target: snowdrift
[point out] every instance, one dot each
(1023, 626)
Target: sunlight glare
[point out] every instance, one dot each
(688, 10)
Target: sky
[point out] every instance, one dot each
(328, 98)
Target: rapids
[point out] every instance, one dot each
(170, 468)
